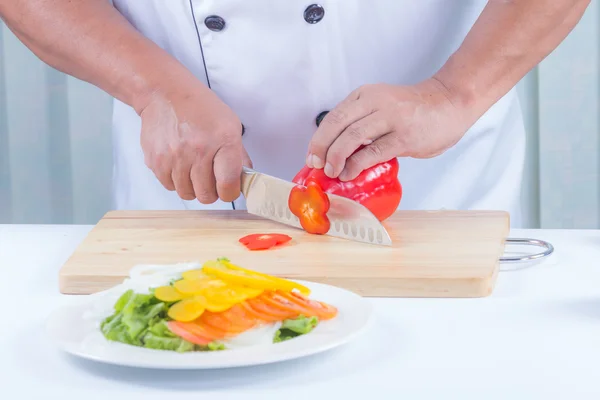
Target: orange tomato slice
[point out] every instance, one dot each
(183, 333)
(259, 315)
(262, 307)
(220, 322)
(322, 310)
(239, 316)
(203, 330)
(283, 303)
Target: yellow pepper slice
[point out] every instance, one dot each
(244, 277)
(229, 294)
(194, 274)
(168, 294)
(283, 282)
(196, 286)
(218, 307)
(188, 309)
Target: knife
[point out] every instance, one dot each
(267, 197)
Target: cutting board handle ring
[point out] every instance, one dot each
(549, 249)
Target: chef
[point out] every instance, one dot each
(203, 87)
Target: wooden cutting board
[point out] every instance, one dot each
(434, 253)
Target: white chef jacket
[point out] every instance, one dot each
(279, 64)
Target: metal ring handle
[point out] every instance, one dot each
(529, 242)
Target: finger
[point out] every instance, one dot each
(203, 180)
(181, 178)
(164, 177)
(334, 123)
(228, 170)
(361, 133)
(379, 151)
(161, 167)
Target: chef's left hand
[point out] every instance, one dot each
(419, 121)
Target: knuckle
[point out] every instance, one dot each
(229, 181)
(367, 89)
(318, 147)
(357, 132)
(177, 149)
(334, 156)
(229, 130)
(354, 163)
(184, 194)
(160, 160)
(374, 151)
(335, 116)
(200, 151)
(206, 196)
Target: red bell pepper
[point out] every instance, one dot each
(310, 204)
(377, 188)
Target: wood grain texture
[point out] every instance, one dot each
(435, 253)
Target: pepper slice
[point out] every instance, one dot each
(310, 204)
(283, 284)
(243, 277)
(168, 294)
(264, 241)
(188, 309)
(377, 188)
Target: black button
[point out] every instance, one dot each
(314, 13)
(320, 117)
(243, 129)
(214, 23)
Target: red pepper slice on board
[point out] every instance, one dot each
(264, 241)
(310, 204)
(377, 188)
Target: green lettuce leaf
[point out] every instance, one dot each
(152, 341)
(213, 346)
(113, 329)
(134, 314)
(141, 320)
(139, 311)
(291, 328)
(124, 299)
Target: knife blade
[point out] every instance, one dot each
(267, 196)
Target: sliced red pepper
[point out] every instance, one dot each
(310, 204)
(264, 241)
(377, 188)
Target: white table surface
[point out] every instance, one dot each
(537, 336)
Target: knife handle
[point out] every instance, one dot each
(248, 175)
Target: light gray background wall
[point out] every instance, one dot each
(56, 157)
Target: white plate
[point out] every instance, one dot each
(75, 329)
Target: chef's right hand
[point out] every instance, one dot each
(192, 141)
